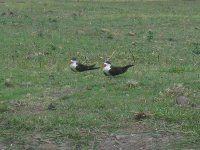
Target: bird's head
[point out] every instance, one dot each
(73, 61)
(107, 64)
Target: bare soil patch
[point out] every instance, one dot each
(22, 107)
(138, 141)
(58, 92)
(150, 140)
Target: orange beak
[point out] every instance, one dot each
(104, 65)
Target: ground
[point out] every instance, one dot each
(44, 105)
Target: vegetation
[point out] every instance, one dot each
(43, 101)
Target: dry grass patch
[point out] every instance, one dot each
(58, 92)
(177, 90)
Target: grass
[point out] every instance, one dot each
(40, 37)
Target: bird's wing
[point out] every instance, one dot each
(81, 67)
(116, 70)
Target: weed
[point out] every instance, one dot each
(150, 36)
(196, 48)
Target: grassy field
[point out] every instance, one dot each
(44, 105)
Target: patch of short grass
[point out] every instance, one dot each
(39, 38)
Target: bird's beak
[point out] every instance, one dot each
(104, 65)
(70, 62)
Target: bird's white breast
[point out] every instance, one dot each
(73, 66)
(106, 70)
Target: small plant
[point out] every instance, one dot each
(132, 84)
(8, 83)
(51, 107)
(176, 70)
(142, 115)
(52, 20)
(52, 47)
(40, 34)
(196, 49)
(107, 33)
(150, 36)
(171, 39)
(3, 107)
(110, 36)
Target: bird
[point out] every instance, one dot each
(78, 67)
(110, 70)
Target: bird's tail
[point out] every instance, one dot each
(128, 66)
(92, 67)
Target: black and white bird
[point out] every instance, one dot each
(110, 70)
(78, 67)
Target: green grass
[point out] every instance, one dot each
(38, 41)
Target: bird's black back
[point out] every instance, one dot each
(118, 70)
(80, 67)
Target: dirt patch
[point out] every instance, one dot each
(50, 146)
(177, 90)
(134, 141)
(21, 107)
(36, 141)
(32, 55)
(58, 92)
(138, 141)
(42, 146)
